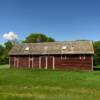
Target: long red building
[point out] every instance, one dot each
(53, 55)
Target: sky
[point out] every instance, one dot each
(64, 20)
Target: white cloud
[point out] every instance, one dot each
(10, 36)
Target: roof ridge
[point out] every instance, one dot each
(59, 42)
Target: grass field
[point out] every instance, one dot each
(48, 85)
(4, 66)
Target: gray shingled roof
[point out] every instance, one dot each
(68, 47)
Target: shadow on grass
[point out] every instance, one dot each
(96, 69)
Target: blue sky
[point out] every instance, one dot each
(60, 19)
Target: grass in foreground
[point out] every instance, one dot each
(48, 85)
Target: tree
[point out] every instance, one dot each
(1, 50)
(8, 45)
(97, 53)
(50, 39)
(38, 37)
(2, 53)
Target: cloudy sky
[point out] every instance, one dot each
(60, 19)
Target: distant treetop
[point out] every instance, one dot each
(38, 37)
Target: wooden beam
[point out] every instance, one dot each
(46, 67)
(17, 62)
(39, 62)
(33, 62)
(61, 57)
(53, 63)
(29, 62)
(14, 61)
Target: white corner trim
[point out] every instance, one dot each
(17, 62)
(53, 63)
(39, 62)
(46, 67)
(32, 62)
(29, 62)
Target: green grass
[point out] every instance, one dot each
(97, 66)
(4, 66)
(25, 84)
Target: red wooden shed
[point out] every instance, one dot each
(53, 55)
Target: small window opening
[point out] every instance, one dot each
(64, 47)
(63, 57)
(27, 48)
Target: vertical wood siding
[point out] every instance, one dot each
(23, 61)
(43, 62)
(82, 62)
(50, 62)
(36, 62)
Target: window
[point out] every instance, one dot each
(63, 57)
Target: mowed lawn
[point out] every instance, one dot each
(25, 84)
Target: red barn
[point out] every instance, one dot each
(53, 55)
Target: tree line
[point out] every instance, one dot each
(36, 38)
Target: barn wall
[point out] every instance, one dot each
(23, 61)
(83, 62)
(74, 62)
(43, 61)
(50, 62)
(36, 62)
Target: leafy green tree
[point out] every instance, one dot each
(50, 39)
(38, 37)
(1, 50)
(97, 53)
(2, 53)
(8, 45)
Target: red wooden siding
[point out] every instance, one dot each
(23, 61)
(73, 62)
(50, 62)
(43, 61)
(60, 62)
(36, 62)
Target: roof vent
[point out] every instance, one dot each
(46, 47)
(64, 47)
(27, 48)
